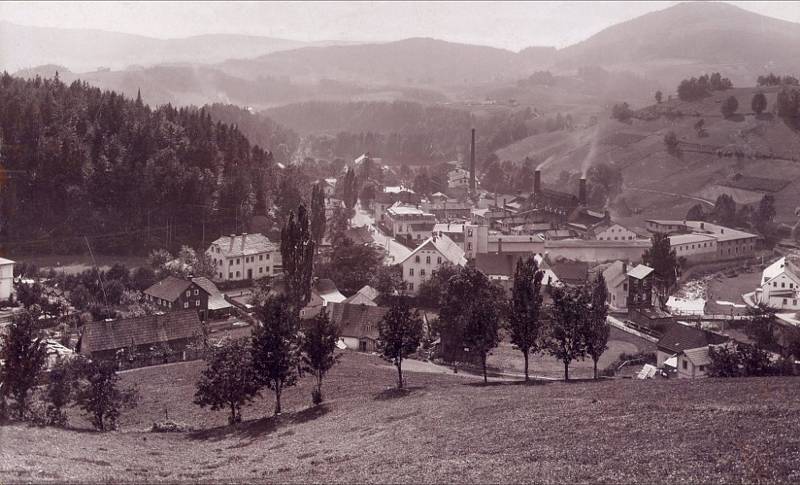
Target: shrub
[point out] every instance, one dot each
(729, 106)
(671, 142)
(621, 112)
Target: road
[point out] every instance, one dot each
(393, 250)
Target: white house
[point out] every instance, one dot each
(6, 278)
(409, 221)
(780, 286)
(244, 256)
(614, 232)
(427, 258)
(616, 276)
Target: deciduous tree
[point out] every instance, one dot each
(758, 103)
(275, 348)
(317, 214)
(566, 340)
(524, 323)
(318, 346)
(23, 353)
(297, 252)
(729, 106)
(229, 379)
(664, 261)
(99, 395)
(399, 335)
(597, 328)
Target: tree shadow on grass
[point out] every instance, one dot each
(532, 382)
(395, 393)
(259, 428)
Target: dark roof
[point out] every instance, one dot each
(422, 226)
(498, 263)
(99, 336)
(359, 235)
(170, 288)
(571, 271)
(679, 337)
(359, 321)
(325, 285)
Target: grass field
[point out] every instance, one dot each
(444, 429)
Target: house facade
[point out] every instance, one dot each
(174, 294)
(409, 222)
(6, 278)
(616, 277)
(358, 324)
(427, 258)
(780, 286)
(245, 257)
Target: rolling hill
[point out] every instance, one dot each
(446, 428)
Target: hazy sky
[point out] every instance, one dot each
(512, 25)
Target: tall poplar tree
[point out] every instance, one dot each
(597, 328)
(524, 322)
(297, 252)
(318, 220)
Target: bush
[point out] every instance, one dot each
(759, 103)
(169, 426)
(622, 112)
(729, 106)
(671, 142)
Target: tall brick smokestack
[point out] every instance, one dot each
(472, 163)
(537, 181)
(582, 191)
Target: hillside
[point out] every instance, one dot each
(418, 61)
(446, 429)
(638, 149)
(673, 42)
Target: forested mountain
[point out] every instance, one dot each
(81, 161)
(401, 132)
(258, 128)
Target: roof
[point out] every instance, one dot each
(216, 300)
(571, 271)
(357, 320)
(166, 327)
(698, 356)
(690, 238)
(328, 291)
(449, 228)
(170, 288)
(592, 243)
(245, 244)
(680, 337)
(422, 226)
(4, 261)
(504, 264)
(640, 272)
(396, 189)
(364, 296)
(359, 235)
(402, 209)
(445, 246)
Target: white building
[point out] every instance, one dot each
(246, 256)
(614, 232)
(6, 278)
(780, 286)
(409, 221)
(427, 258)
(694, 247)
(458, 178)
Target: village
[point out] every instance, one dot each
(672, 326)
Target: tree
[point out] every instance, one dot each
(762, 325)
(229, 379)
(23, 353)
(351, 266)
(759, 103)
(659, 97)
(524, 322)
(725, 210)
(729, 106)
(597, 328)
(350, 189)
(158, 259)
(431, 292)
(481, 324)
(622, 112)
(765, 212)
(318, 345)
(399, 335)
(297, 252)
(664, 261)
(671, 142)
(566, 339)
(275, 347)
(60, 381)
(340, 223)
(98, 393)
(696, 213)
(143, 278)
(317, 215)
(388, 280)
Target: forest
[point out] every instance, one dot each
(80, 164)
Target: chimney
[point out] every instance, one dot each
(582, 191)
(233, 238)
(537, 181)
(472, 163)
(244, 236)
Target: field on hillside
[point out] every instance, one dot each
(444, 429)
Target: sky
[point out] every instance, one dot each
(510, 25)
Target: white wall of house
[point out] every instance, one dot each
(6, 279)
(782, 292)
(616, 233)
(234, 268)
(618, 296)
(420, 267)
(687, 370)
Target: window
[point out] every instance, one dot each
(186, 305)
(783, 284)
(410, 271)
(220, 275)
(422, 272)
(685, 365)
(196, 292)
(261, 269)
(237, 274)
(469, 246)
(794, 302)
(427, 260)
(197, 303)
(261, 257)
(416, 259)
(188, 292)
(439, 260)
(267, 255)
(237, 260)
(785, 301)
(702, 368)
(230, 275)
(411, 286)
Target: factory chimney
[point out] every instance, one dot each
(582, 191)
(537, 181)
(472, 163)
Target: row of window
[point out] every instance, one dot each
(428, 259)
(783, 284)
(239, 273)
(247, 259)
(411, 272)
(616, 238)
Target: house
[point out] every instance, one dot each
(612, 231)
(679, 338)
(390, 196)
(453, 231)
(245, 257)
(730, 243)
(427, 258)
(177, 329)
(6, 278)
(640, 286)
(571, 272)
(327, 291)
(694, 247)
(409, 222)
(500, 268)
(365, 296)
(218, 306)
(358, 324)
(458, 178)
(616, 277)
(780, 286)
(172, 294)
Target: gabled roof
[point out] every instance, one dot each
(328, 291)
(640, 272)
(152, 329)
(679, 338)
(245, 245)
(170, 288)
(615, 274)
(216, 300)
(4, 261)
(359, 321)
(571, 271)
(365, 296)
(698, 356)
(445, 246)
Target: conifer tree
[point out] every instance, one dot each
(297, 252)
